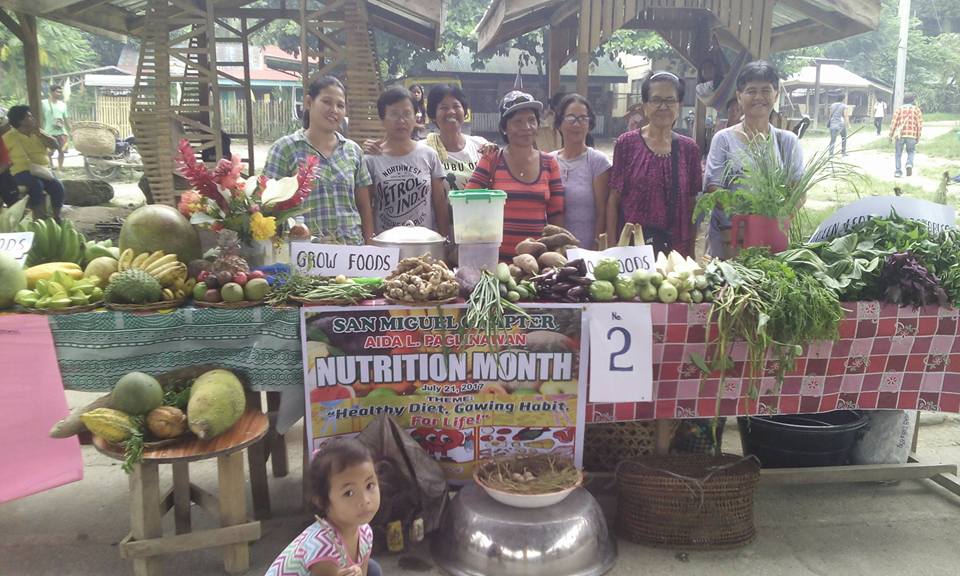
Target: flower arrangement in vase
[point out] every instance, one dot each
(256, 208)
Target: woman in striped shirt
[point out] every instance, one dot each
(530, 178)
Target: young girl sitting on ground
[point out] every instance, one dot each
(346, 497)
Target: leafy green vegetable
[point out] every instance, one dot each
(907, 282)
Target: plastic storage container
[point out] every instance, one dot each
(478, 216)
(479, 256)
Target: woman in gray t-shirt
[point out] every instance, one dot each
(407, 175)
(757, 92)
(584, 171)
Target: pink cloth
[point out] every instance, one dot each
(31, 402)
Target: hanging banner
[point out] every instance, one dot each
(465, 397)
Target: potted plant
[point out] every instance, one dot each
(768, 196)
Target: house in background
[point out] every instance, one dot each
(835, 80)
(485, 86)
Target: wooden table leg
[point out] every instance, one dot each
(145, 515)
(181, 497)
(259, 487)
(307, 454)
(277, 443)
(663, 435)
(233, 509)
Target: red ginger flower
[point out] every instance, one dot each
(198, 175)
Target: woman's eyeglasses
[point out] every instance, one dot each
(571, 119)
(662, 102)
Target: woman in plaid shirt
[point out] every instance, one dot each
(339, 207)
(905, 131)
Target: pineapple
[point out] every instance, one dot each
(229, 260)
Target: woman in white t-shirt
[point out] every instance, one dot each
(447, 108)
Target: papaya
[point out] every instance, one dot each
(166, 422)
(46, 271)
(137, 393)
(111, 425)
(217, 401)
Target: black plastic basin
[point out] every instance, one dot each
(801, 440)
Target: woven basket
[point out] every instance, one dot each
(607, 443)
(95, 138)
(687, 501)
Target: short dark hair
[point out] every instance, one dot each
(317, 85)
(758, 71)
(661, 76)
(17, 114)
(441, 91)
(334, 457)
(56, 87)
(908, 98)
(391, 96)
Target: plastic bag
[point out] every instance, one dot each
(413, 488)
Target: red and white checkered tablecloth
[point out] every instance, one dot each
(887, 357)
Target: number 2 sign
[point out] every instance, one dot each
(621, 353)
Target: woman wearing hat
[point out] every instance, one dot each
(530, 178)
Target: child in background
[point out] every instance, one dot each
(346, 497)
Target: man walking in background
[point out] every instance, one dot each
(838, 124)
(905, 131)
(879, 111)
(55, 120)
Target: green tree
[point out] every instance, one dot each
(62, 49)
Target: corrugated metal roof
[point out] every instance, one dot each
(831, 75)
(462, 63)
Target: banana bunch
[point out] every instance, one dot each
(61, 291)
(165, 268)
(53, 242)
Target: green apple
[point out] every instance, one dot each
(525, 391)
(199, 291)
(382, 393)
(256, 289)
(231, 292)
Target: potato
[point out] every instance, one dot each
(532, 247)
(558, 241)
(526, 263)
(552, 260)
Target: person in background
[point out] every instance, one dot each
(584, 172)
(420, 112)
(56, 120)
(29, 163)
(8, 187)
(905, 129)
(407, 175)
(339, 205)
(548, 135)
(346, 497)
(839, 118)
(757, 87)
(530, 178)
(656, 173)
(879, 111)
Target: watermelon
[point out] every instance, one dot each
(155, 227)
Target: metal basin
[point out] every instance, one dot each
(479, 536)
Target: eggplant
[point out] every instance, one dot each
(576, 292)
(567, 272)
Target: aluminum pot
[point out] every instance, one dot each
(479, 536)
(413, 241)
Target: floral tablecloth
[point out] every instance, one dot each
(886, 358)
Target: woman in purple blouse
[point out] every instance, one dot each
(656, 173)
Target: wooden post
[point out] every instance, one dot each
(247, 93)
(553, 51)
(583, 47)
(181, 497)
(233, 509)
(145, 515)
(31, 58)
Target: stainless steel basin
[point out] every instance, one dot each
(479, 536)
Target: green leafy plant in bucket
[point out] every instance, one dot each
(770, 188)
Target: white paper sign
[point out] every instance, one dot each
(621, 352)
(16, 244)
(351, 261)
(937, 216)
(631, 258)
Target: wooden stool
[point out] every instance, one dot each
(146, 540)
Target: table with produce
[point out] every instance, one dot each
(864, 320)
